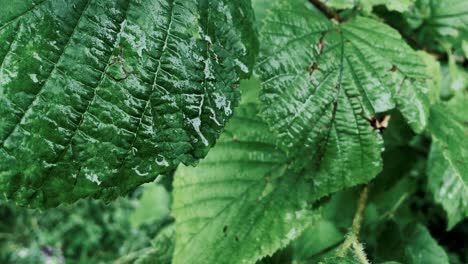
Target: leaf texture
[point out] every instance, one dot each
(322, 82)
(245, 190)
(237, 206)
(98, 97)
(448, 160)
(261, 8)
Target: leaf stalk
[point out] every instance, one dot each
(352, 240)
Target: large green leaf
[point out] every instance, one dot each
(322, 81)
(97, 97)
(237, 206)
(245, 200)
(448, 160)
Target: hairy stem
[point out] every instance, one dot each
(360, 211)
(352, 240)
(360, 253)
(327, 11)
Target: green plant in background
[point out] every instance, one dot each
(90, 231)
(342, 131)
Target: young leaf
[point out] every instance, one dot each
(98, 97)
(323, 82)
(448, 160)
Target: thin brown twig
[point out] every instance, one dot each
(327, 11)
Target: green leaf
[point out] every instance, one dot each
(448, 160)
(465, 47)
(412, 244)
(282, 256)
(340, 260)
(317, 239)
(340, 4)
(439, 22)
(433, 72)
(154, 205)
(261, 8)
(394, 5)
(237, 206)
(98, 97)
(245, 200)
(454, 78)
(447, 187)
(161, 250)
(367, 5)
(446, 17)
(322, 82)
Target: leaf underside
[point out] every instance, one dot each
(98, 97)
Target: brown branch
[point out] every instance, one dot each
(327, 11)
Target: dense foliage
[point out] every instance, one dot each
(286, 131)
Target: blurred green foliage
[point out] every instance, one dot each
(89, 231)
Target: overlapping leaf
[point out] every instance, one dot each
(246, 199)
(323, 81)
(97, 97)
(237, 206)
(439, 22)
